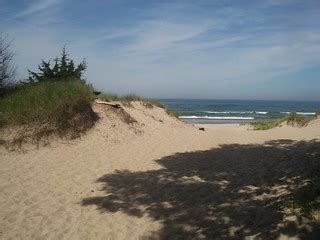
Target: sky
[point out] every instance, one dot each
(211, 49)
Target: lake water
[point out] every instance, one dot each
(237, 111)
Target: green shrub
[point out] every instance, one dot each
(52, 103)
(63, 69)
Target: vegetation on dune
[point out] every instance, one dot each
(265, 125)
(173, 113)
(63, 107)
(62, 69)
(296, 119)
(121, 98)
(150, 103)
(42, 102)
(54, 100)
(292, 119)
(129, 98)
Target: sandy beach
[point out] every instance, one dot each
(158, 178)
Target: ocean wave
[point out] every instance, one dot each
(235, 112)
(306, 113)
(262, 113)
(228, 112)
(216, 118)
(301, 113)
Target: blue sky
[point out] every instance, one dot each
(268, 49)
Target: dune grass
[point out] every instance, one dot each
(266, 125)
(173, 113)
(299, 120)
(55, 104)
(130, 98)
(133, 97)
(115, 97)
(292, 119)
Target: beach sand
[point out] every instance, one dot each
(158, 178)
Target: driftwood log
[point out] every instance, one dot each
(112, 104)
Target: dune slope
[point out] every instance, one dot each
(140, 173)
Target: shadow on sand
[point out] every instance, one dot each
(228, 192)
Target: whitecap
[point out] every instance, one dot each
(217, 118)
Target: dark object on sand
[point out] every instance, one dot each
(115, 105)
(96, 93)
(202, 129)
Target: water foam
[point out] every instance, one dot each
(228, 112)
(236, 112)
(217, 118)
(301, 113)
(262, 113)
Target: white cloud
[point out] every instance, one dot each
(160, 35)
(37, 6)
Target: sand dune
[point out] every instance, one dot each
(143, 174)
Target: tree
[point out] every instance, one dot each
(7, 67)
(62, 69)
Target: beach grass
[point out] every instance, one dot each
(130, 98)
(266, 125)
(53, 103)
(292, 119)
(173, 113)
(297, 119)
(133, 97)
(121, 98)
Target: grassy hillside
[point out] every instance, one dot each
(61, 106)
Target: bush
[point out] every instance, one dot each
(63, 69)
(57, 104)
